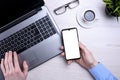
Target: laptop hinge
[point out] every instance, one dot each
(22, 18)
(38, 9)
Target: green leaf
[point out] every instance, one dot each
(116, 9)
(113, 7)
(108, 1)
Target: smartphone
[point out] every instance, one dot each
(71, 43)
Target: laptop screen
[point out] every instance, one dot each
(12, 9)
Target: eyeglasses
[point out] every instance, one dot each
(70, 5)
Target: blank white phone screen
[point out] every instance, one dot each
(70, 40)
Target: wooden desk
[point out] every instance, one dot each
(103, 40)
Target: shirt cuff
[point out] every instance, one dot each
(100, 72)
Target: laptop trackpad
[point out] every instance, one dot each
(30, 57)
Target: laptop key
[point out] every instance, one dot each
(21, 50)
(36, 32)
(32, 26)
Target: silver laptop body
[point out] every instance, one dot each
(41, 51)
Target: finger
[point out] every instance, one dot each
(25, 66)
(16, 63)
(62, 48)
(10, 61)
(79, 61)
(82, 63)
(70, 61)
(62, 54)
(2, 66)
(6, 62)
(83, 48)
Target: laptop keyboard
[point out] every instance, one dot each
(28, 36)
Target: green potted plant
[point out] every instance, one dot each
(113, 7)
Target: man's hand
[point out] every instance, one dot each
(87, 60)
(11, 68)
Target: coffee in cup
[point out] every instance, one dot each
(89, 16)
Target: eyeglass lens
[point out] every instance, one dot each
(70, 5)
(73, 4)
(60, 10)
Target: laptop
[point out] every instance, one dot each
(27, 27)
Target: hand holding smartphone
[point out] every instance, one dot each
(71, 43)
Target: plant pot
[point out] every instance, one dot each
(108, 12)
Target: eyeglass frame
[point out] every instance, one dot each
(65, 6)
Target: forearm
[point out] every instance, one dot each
(99, 72)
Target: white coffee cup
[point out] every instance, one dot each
(89, 16)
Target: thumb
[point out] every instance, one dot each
(25, 68)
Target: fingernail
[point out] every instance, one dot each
(10, 51)
(69, 63)
(15, 52)
(25, 62)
